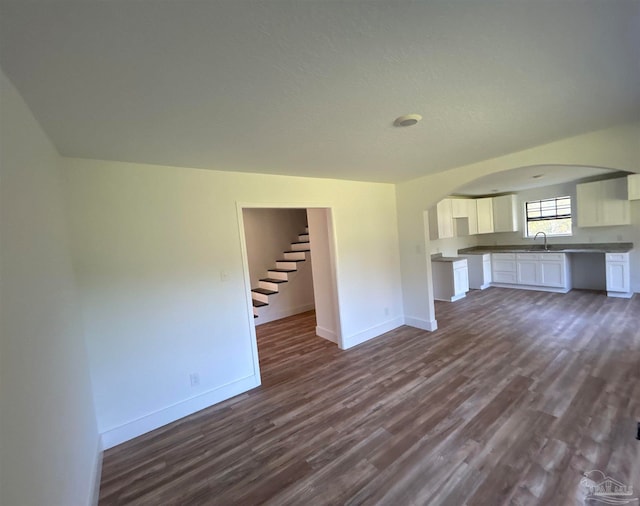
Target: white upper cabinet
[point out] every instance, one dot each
(441, 220)
(484, 209)
(603, 203)
(633, 187)
(472, 213)
(505, 213)
(465, 217)
(459, 208)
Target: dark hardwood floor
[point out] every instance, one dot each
(510, 402)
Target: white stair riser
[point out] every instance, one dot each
(298, 255)
(303, 237)
(278, 275)
(260, 296)
(268, 286)
(298, 247)
(287, 265)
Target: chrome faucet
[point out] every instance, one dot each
(546, 248)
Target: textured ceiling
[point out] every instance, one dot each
(312, 87)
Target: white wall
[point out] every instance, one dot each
(268, 233)
(627, 233)
(323, 255)
(151, 245)
(450, 246)
(615, 148)
(49, 451)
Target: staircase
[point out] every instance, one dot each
(270, 286)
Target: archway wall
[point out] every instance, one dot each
(614, 148)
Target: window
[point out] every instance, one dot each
(551, 216)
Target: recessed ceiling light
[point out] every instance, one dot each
(407, 120)
(537, 176)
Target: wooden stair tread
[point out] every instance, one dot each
(259, 303)
(273, 280)
(291, 260)
(300, 242)
(264, 291)
(297, 251)
(282, 270)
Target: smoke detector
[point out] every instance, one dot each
(407, 120)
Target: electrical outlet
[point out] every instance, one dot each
(224, 276)
(619, 237)
(386, 311)
(194, 377)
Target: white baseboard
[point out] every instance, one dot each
(327, 334)
(621, 295)
(135, 428)
(419, 323)
(278, 315)
(94, 488)
(453, 298)
(361, 337)
(535, 288)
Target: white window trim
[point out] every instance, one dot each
(525, 221)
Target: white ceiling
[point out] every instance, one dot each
(312, 87)
(525, 178)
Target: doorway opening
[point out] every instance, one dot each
(290, 268)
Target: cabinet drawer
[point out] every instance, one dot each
(554, 257)
(504, 266)
(505, 277)
(617, 257)
(528, 256)
(504, 256)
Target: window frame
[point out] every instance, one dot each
(556, 216)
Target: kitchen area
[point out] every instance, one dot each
(539, 229)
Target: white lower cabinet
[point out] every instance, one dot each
(618, 275)
(536, 271)
(450, 278)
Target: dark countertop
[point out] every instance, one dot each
(609, 247)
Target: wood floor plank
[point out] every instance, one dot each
(514, 398)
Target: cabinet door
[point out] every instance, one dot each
(614, 204)
(472, 213)
(505, 213)
(527, 272)
(588, 202)
(445, 219)
(633, 187)
(485, 215)
(552, 273)
(459, 208)
(486, 270)
(618, 277)
(461, 279)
